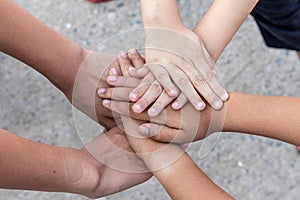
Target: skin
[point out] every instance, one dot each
(60, 60)
(241, 113)
(72, 70)
(193, 77)
(37, 166)
(162, 18)
(169, 162)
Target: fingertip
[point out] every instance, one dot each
(224, 96)
(106, 103)
(176, 105)
(153, 112)
(137, 108)
(112, 79)
(133, 97)
(144, 130)
(113, 72)
(172, 93)
(200, 106)
(123, 54)
(132, 51)
(101, 91)
(217, 105)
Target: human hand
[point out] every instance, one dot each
(111, 159)
(181, 126)
(176, 56)
(92, 74)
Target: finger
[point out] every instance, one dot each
(201, 84)
(136, 59)
(124, 108)
(204, 79)
(123, 81)
(142, 87)
(185, 86)
(139, 72)
(148, 98)
(113, 72)
(179, 102)
(162, 76)
(216, 86)
(163, 133)
(124, 62)
(119, 93)
(163, 100)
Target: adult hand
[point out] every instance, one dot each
(112, 160)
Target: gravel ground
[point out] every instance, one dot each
(248, 167)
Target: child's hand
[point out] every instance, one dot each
(179, 62)
(184, 122)
(182, 126)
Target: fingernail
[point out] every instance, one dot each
(224, 97)
(133, 96)
(123, 54)
(132, 51)
(218, 104)
(176, 105)
(101, 91)
(173, 93)
(200, 105)
(113, 72)
(152, 111)
(112, 78)
(106, 102)
(144, 131)
(137, 107)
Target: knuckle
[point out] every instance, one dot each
(156, 88)
(211, 74)
(183, 81)
(162, 76)
(198, 81)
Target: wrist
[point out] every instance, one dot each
(65, 82)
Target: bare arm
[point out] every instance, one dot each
(35, 166)
(27, 39)
(175, 170)
(28, 165)
(273, 117)
(157, 13)
(224, 17)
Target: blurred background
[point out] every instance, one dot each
(247, 167)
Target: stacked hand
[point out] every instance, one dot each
(178, 69)
(185, 125)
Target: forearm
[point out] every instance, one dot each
(27, 39)
(184, 180)
(273, 117)
(221, 22)
(157, 13)
(29, 165)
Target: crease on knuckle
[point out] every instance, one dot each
(155, 87)
(183, 81)
(211, 74)
(162, 76)
(198, 80)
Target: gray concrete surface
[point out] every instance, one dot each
(247, 167)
